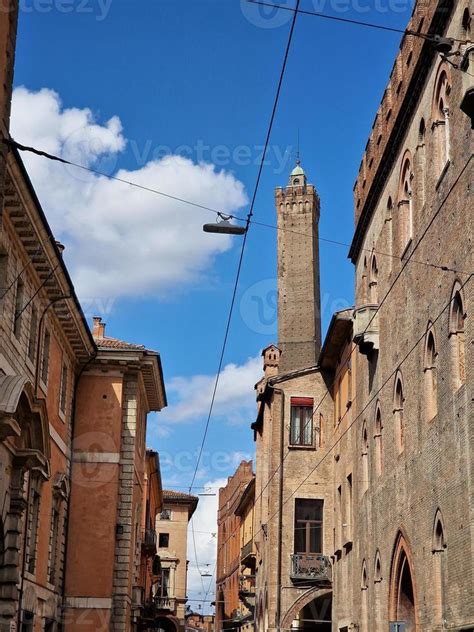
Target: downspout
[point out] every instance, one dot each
(280, 506)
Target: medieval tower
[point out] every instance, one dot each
(299, 319)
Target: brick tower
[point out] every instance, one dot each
(299, 319)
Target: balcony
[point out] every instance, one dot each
(164, 603)
(149, 541)
(366, 328)
(247, 554)
(311, 568)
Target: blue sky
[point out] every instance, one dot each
(197, 79)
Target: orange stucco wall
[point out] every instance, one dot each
(94, 488)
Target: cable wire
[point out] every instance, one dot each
(244, 242)
(336, 18)
(382, 302)
(53, 157)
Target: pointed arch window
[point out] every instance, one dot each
(440, 119)
(431, 378)
(374, 273)
(365, 281)
(377, 568)
(405, 204)
(365, 459)
(398, 411)
(364, 586)
(389, 225)
(421, 159)
(439, 559)
(378, 439)
(457, 336)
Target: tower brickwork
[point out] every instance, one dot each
(299, 319)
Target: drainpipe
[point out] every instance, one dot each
(280, 506)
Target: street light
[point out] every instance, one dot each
(223, 226)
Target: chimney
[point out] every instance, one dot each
(98, 327)
(60, 247)
(271, 360)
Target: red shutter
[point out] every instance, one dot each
(302, 401)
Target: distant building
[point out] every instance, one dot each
(198, 622)
(168, 605)
(229, 612)
(245, 510)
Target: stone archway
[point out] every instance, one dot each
(403, 603)
(166, 624)
(313, 611)
(24, 422)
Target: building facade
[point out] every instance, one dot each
(294, 505)
(229, 612)
(246, 512)
(168, 606)
(117, 389)
(44, 343)
(413, 324)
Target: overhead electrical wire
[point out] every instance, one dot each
(11, 142)
(244, 242)
(382, 302)
(335, 18)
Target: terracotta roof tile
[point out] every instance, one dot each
(115, 343)
(171, 493)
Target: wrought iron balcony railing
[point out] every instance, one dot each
(164, 603)
(149, 540)
(311, 567)
(246, 552)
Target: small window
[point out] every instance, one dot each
(164, 540)
(19, 300)
(45, 357)
(466, 20)
(63, 392)
(33, 531)
(308, 525)
(458, 339)
(399, 402)
(165, 514)
(33, 334)
(301, 425)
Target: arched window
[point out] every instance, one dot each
(431, 378)
(439, 547)
(405, 204)
(421, 159)
(440, 119)
(389, 225)
(457, 337)
(466, 21)
(365, 459)
(377, 568)
(365, 282)
(378, 441)
(377, 582)
(398, 405)
(374, 272)
(364, 585)
(403, 598)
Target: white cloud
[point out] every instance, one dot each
(235, 398)
(121, 241)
